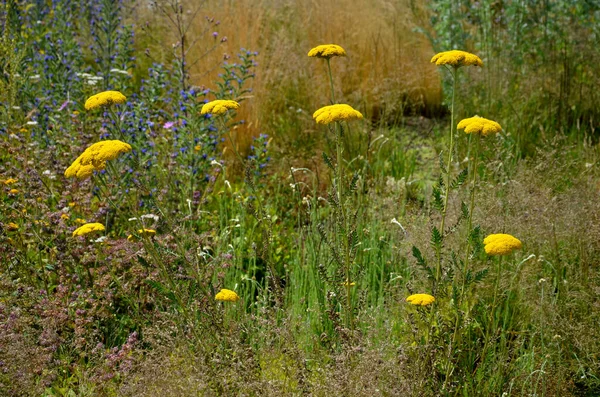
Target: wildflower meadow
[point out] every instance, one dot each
(271, 197)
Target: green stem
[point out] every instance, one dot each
(331, 81)
(448, 164)
(471, 208)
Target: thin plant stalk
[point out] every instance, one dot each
(448, 164)
(471, 208)
(492, 322)
(340, 193)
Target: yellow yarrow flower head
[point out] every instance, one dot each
(88, 228)
(13, 191)
(10, 181)
(327, 51)
(339, 112)
(95, 158)
(227, 295)
(220, 106)
(456, 58)
(420, 299)
(479, 125)
(105, 98)
(501, 244)
(12, 226)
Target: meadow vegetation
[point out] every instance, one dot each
(198, 198)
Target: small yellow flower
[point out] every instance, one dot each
(10, 181)
(420, 299)
(88, 228)
(456, 59)
(105, 98)
(147, 232)
(13, 191)
(227, 295)
(12, 226)
(81, 221)
(72, 204)
(197, 148)
(345, 284)
(479, 125)
(75, 112)
(220, 106)
(64, 216)
(339, 112)
(327, 51)
(95, 158)
(501, 244)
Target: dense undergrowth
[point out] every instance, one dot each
(322, 231)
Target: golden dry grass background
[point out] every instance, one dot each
(387, 67)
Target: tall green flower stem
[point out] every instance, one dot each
(331, 82)
(438, 271)
(471, 208)
(261, 212)
(339, 184)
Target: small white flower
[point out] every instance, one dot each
(115, 70)
(542, 280)
(150, 216)
(34, 77)
(100, 239)
(32, 123)
(16, 107)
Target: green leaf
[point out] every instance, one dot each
(460, 179)
(437, 240)
(328, 161)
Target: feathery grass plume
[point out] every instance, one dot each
(10, 181)
(105, 98)
(420, 299)
(501, 244)
(95, 158)
(219, 106)
(456, 58)
(327, 51)
(479, 125)
(88, 228)
(227, 295)
(339, 112)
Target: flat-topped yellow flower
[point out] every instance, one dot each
(456, 58)
(142, 232)
(10, 181)
(227, 295)
(340, 112)
(88, 228)
(219, 106)
(501, 244)
(327, 51)
(420, 299)
(12, 226)
(105, 98)
(95, 158)
(479, 125)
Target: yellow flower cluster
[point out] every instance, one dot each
(456, 59)
(142, 232)
(420, 299)
(501, 244)
(105, 98)
(327, 51)
(12, 226)
(10, 181)
(95, 157)
(479, 125)
(88, 228)
(220, 106)
(340, 112)
(227, 295)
